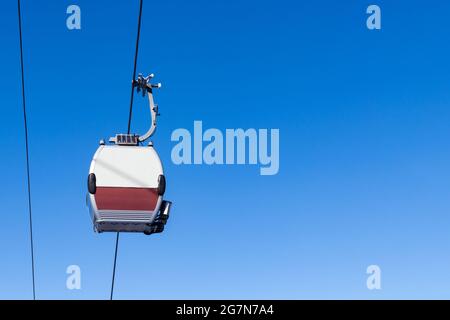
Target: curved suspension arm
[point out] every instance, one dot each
(143, 85)
(154, 114)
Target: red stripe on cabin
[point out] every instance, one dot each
(118, 198)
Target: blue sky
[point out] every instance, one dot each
(364, 148)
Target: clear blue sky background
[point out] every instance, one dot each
(365, 153)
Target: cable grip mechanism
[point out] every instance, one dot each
(144, 86)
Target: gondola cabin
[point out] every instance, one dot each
(126, 185)
(126, 181)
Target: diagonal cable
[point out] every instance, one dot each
(129, 128)
(30, 215)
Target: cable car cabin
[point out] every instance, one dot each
(126, 185)
(126, 181)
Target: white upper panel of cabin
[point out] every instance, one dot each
(126, 166)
